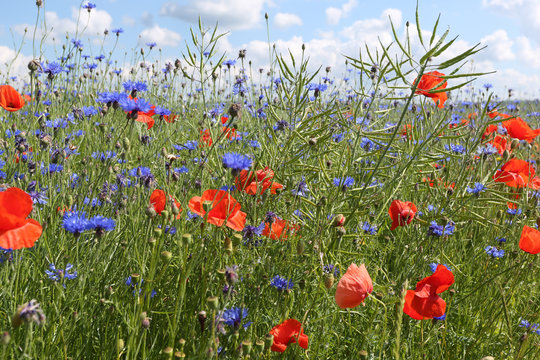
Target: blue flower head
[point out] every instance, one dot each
(233, 317)
(281, 283)
(236, 161)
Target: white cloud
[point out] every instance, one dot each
(527, 53)
(334, 14)
(499, 46)
(93, 23)
(525, 12)
(503, 4)
(284, 20)
(230, 14)
(17, 66)
(163, 37)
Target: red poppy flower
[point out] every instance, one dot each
(170, 118)
(491, 129)
(530, 240)
(158, 200)
(145, 119)
(515, 173)
(279, 229)
(353, 287)
(406, 131)
(230, 133)
(519, 129)
(501, 143)
(218, 207)
(10, 99)
(16, 231)
(206, 138)
(289, 331)
(423, 302)
(258, 182)
(401, 213)
(433, 81)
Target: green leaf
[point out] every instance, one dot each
(461, 57)
(434, 30)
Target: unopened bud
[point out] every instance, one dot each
(329, 280)
(339, 220)
(213, 302)
(166, 256)
(202, 319)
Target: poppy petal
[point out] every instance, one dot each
(21, 237)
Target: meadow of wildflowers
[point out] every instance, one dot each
(202, 208)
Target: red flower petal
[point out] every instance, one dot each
(287, 332)
(10, 99)
(22, 237)
(353, 287)
(530, 240)
(15, 206)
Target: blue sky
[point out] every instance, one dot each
(510, 28)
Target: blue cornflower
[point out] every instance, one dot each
(151, 45)
(514, 211)
(488, 86)
(344, 183)
(59, 274)
(493, 251)
(456, 149)
(135, 85)
(77, 43)
(439, 230)
(233, 317)
(143, 106)
(301, 189)
(126, 103)
(51, 69)
(281, 283)
(75, 222)
(38, 197)
(236, 161)
(433, 267)
(331, 269)
(51, 169)
(117, 31)
(440, 318)
(229, 63)
(369, 229)
(101, 223)
(162, 111)
(89, 6)
(134, 283)
(476, 189)
(317, 87)
(500, 240)
(181, 170)
(250, 234)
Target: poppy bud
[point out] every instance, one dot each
(166, 256)
(120, 345)
(259, 345)
(187, 239)
(150, 211)
(168, 350)
(268, 340)
(313, 141)
(39, 3)
(341, 231)
(6, 338)
(228, 245)
(339, 220)
(329, 280)
(363, 354)
(300, 247)
(213, 302)
(246, 347)
(202, 319)
(514, 144)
